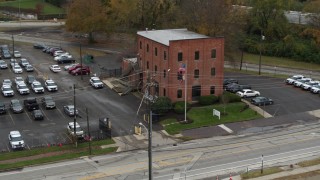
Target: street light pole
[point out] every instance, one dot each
(149, 129)
(75, 115)
(81, 61)
(12, 44)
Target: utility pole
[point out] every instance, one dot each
(150, 128)
(75, 116)
(88, 131)
(81, 61)
(12, 45)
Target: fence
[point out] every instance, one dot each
(106, 73)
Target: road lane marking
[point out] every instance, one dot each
(29, 117)
(11, 118)
(45, 114)
(226, 128)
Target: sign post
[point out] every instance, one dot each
(216, 113)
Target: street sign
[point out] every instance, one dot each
(216, 113)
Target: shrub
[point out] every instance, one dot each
(162, 105)
(179, 107)
(229, 97)
(208, 100)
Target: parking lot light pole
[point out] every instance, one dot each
(12, 44)
(149, 144)
(81, 61)
(75, 115)
(261, 39)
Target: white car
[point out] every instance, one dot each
(16, 54)
(315, 89)
(79, 131)
(24, 62)
(3, 64)
(96, 82)
(299, 82)
(37, 87)
(7, 91)
(7, 82)
(55, 68)
(59, 52)
(50, 85)
(17, 69)
(308, 85)
(291, 80)
(248, 93)
(18, 80)
(13, 62)
(63, 56)
(23, 89)
(15, 139)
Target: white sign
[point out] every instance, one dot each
(216, 113)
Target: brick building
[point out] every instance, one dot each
(170, 56)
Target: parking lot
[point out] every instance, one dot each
(103, 102)
(287, 98)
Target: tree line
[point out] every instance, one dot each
(242, 27)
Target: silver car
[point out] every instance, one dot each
(69, 110)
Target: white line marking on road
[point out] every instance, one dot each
(29, 116)
(226, 128)
(45, 114)
(11, 118)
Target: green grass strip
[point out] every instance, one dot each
(257, 173)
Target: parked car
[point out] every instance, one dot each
(50, 85)
(3, 109)
(13, 62)
(17, 54)
(229, 81)
(248, 93)
(37, 87)
(54, 49)
(6, 82)
(79, 131)
(29, 68)
(24, 62)
(15, 140)
(3, 64)
(69, 110)
(18, 80)
(39, 46)
(37, 114)
(31, 103)
(309, 85)
(299, 82)
(96, 82)
(315, 89)
(7, 91)
(62, 56)
(74, 67)
(30, 78)
(236, 87)
(17, 69)
(6, 55)
(23, 89)
(16, 106)
(66, 67)
(66, 60)
(79, 71)
(55, 68)
(48, 102)
(261, 101)
(292, 80)
(59, 52)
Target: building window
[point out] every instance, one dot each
(180, 56)
(164, 91)
(164, 73)
(165, 55)
(213, 71)
(179, 93)
(196, 55)
(147, 64)
(155, 68)
(156, 51)
(147, 47)
(213, 53)
(140, 45)
(212, 89)
(196, 73)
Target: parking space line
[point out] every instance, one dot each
(61, 113)
(11, 118)
(29, 116)
(45, 114)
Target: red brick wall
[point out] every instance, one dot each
(188, 48)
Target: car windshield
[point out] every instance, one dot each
(51, 84)
(16, 104)
(2, 62)
(23, 86)
(37, 86)
(7, 81)
(71, 109)
(48, 99)
(7, 89)
(29, 67)
(17, 67)
(96, 81)
(18, 138)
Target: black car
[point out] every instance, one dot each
(66, 60)
(236, 87)
(30, 79)
(38, 46)
(261, 101)
(37, 114)
(2, 108)
(31, 103)
(229, 81)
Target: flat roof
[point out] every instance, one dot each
(167, 35)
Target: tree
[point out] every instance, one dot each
(162, 105)
(313, 7)
(87, 16)
(39, 8)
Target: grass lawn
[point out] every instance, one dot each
(257, 173)
(65, 152)
(202, 116)
(277, 61)
(31, 4)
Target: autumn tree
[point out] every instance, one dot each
(87, 16)
(313, 7)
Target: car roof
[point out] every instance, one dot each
(6, 86)
(49, 80)
(97, 78)
(36, 82)
(72, 124)
(15, 133)
(70, 106)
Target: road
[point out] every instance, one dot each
(190, 160)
